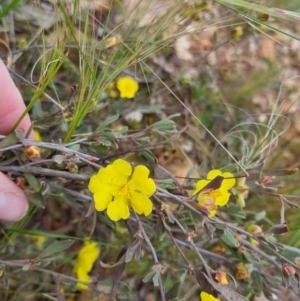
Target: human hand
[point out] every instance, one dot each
(13, 201)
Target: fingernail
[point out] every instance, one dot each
(12, 206)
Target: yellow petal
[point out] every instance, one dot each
(116, 173)
(82, 275)
(140, 203)
(213, 174)
(212, 213)
(207, 297)
(123, 167)
(118, 209)
(94, 184)
(141, 181)
(200, 185)
(87, 255)
(86, 258)
(102, 199)
(228, 183)
(140, 172)
(37, 136)
(223, 197)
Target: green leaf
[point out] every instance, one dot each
(256, 283)
(124, 291)
(234, 210)
(56, 247)
(33, 182)
(148, 155)
(74, 147)
(105, 142)
(151, 109)
(108, 133)
(260, 215)
(105, 123)
(229, 239)
(44, 263)
(112, 265)
(26, 267)
(9, 140)
(164, 125)
(123, 130)
(173, 292)
(8, 8)
(155, 279)
(148, 276)
(134, 248)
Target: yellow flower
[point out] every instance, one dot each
(207, 297)
(86, 258)
(212, 198)
(117, 188)
(127, 87)
(242, 191)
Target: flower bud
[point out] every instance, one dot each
(219, 249)
(221, 278)
(72, 167)
(32, 152)
(39, 241)
(21, 182)
(242, 273)
(238, 238)
(254, 229)
(237, 32)
(254, 242)
(113, 94)
(288, 270)
(266, 180)
(264, 17)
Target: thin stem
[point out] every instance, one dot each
(45, 172)
(54, 274)
(162, 293)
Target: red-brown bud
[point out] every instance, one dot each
(266, 180)
(21, 182)
(288, 270)
(32, 152)
(254, 229)
(221, 278)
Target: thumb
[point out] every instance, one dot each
(13, 201)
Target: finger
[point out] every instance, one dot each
(13, 201)
(11, 104)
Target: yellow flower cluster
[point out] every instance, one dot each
(118, 187)
(211, 199)
(86, 258)
(127, 87)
